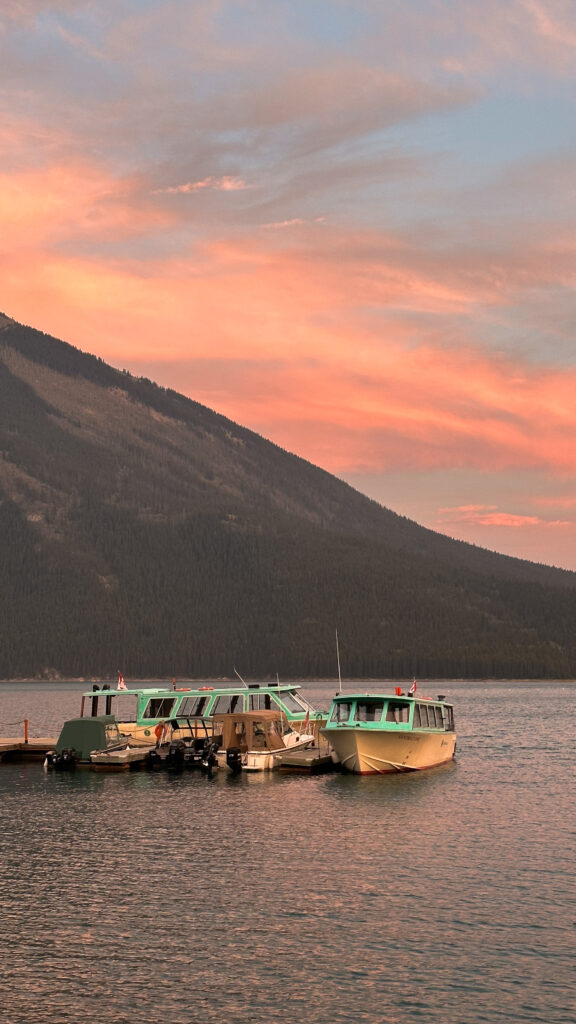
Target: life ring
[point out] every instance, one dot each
(205, 687)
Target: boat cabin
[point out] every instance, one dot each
(145, 708)
(250, 730)
(79, 737)
(391, 712)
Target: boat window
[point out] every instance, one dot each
(341, 711)
(192, 706)
(159, 707)
(259, 702)
(293, 703)
(369, 710)
(417, 722)
(448, 718)
(423, 715)
(397, 711)
(228, 703)
(127, 709)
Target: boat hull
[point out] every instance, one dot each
(374, 752)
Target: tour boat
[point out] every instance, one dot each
(374, 733)
(139, 711)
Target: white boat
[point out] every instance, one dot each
(255, 740)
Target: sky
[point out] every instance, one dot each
(346, 224)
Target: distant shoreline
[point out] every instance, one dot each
(168, 684)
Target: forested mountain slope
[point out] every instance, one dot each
(141, 530)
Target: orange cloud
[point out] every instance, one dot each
(67, 203)
(489, 515)
(376, 392)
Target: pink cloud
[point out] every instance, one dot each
(225, 184)
(489, 515)
(555, 501)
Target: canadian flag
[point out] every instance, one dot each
(413, 688)
(121, 684)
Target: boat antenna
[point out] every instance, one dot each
(243, 681)
(338, 659)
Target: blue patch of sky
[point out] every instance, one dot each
(73, 44)
(497, 129)
(324, 23)
(452, 154)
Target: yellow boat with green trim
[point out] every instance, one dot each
(376, 733)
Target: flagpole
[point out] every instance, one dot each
(338, 659)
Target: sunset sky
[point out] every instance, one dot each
(347, 224)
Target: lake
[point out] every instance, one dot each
(444, 897)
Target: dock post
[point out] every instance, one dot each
(25, 730)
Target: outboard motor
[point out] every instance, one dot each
(153, 759)
(209, 759)
(234, 759)
(65, 760)
(175, 756)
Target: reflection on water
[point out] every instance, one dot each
(443, 897)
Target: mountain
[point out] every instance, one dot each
(142, 531)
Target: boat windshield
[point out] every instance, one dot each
(397, 711)
(293, 701)
(341, 711)
(112, 734)
(369, 711)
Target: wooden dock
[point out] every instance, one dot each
(312, 761)
(18, 749)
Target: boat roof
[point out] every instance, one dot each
(389, 696)
(166, 691)
(240, 728)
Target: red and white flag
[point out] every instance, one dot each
(413, 689)
(121, 685)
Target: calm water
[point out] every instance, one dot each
(447, 897)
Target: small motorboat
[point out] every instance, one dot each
(96, 743)
(185, 743)
(255, 740)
